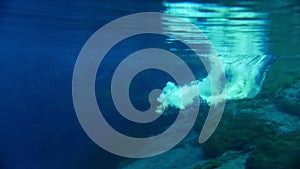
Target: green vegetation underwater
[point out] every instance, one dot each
(257, 42)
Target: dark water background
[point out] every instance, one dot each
(39, 43)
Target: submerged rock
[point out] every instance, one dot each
(270, 136)
(287, 99)
(229, 160)
(280, 153)
(238, 132)
(185, 155)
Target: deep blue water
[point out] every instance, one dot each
(39, 43)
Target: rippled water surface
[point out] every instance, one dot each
(258, 43)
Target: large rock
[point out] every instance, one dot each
(280, 153)
(287, 99)
(229, 160)
(184, 156)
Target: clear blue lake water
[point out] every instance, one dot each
(258, 42)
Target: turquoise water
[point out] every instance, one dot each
(257, 41)
(238, 35)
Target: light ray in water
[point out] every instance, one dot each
(238, 36)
